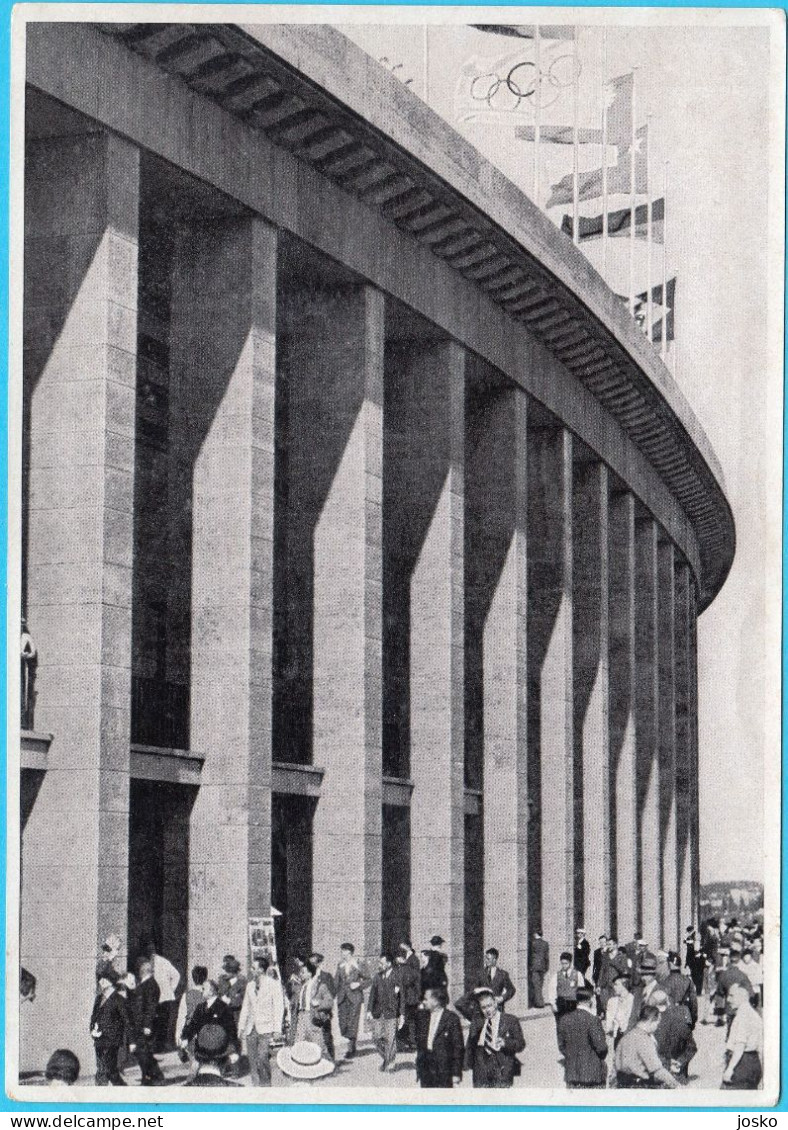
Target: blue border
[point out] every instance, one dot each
(8, 1105)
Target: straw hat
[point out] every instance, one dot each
(303, 1060)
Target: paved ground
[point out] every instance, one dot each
(541, 1068)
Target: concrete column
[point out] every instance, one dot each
(685, 788)
(550, 707)
(623, 695)
(649, 878)
(222, 350)
(496, 515)
(81, 236)
(667, 741)
(334, 371)
(430, 417)
(695, 775)
(590, 643)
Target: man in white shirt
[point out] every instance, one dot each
(261, 1018)
(167, 978)
(744, 1047)
(618, 1014)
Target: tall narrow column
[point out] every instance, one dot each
(667, 742)
(591, 694)
(695, 774)
(550, 706)
(222, 386)
(334, 372)
(81, 225)
(649, 878)
(429, 414)
(685, 788)
(496, 477)
(623, 695)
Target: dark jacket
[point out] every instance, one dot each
(439, 1067)
(217, 1013)
(410, 984)
(144, 1003)
(110, 1018)
(681, 990)
(500, 983)
(384, 997)
(539, 958)
(210, 1081)
(599, 965)
(344, 993)
(433, 975)
(582, 958)
(582, 1043)
(499, 1068)
(233, 994)
(675, 1042)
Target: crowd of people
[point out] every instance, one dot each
(625, 1015)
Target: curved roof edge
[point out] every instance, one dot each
(313, 91)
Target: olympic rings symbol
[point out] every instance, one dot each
(520, 83)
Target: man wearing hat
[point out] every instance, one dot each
(211, 1048)
(303, 1061)
(680, 988)
(582, 954)
(582, 1043)
(647, 983)
(433, 974)
(108, 1024)
(494, 1039)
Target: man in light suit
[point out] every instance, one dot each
(494, 1040)
(440, 1047)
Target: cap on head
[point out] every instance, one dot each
(437, 940)
(348, 947)
(212, 1043)
(659, 999)
(648, 964)
(565, 956)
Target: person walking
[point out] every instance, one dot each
(680, 988)
(433, 972)
(744, 1046)
(232, 985)
(260, 1020)
(494, 1039)
(496, 979)
(108, 1024)
(186, 1006)
(143, 1012)
(167, 978)
(350, 983)
(538, 966)
(324, 978)
(582, 1043)
(563, 986)
(582, 954)
(637, 1058)
(440, 1048)
(212, 1010)
(315, 1005)
(409, 983)
(384, 1010)
(620, 1015)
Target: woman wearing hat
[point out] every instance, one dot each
(304, 1060)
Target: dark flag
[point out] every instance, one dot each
(660, 315)
(618, 223)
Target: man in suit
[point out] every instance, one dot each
(108, 1025)
(496, 979)
(384, 1010)
(494, 1040)
(232, 985)
(647, 984)
(563, 986)
(440, 1047)
(636, 951)
(210, 1050)
(433, 972)
(599, 961)
(411, 957)
(582, 1043)
(144, 1006)
(538, 965)
(409, 982)
(680, 989)
(322, 976)
(214, 1011)
(350, 984)
(582, 955)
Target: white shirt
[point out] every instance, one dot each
(618, 1013)
(263, 1008)
(496, 1021)
(166, 976)
(753, 971)
(435, 1019)
(746, 1030)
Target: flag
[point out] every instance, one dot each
(619, 179)
(618, 95)
(618, 223)
(660, 314)
(528, 31)
(560, 135)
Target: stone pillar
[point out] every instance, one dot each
(81, 234)
(223, 327)
(496, 476)
(685, 788)
(430, 418)
(667, 742)
(649, 877)
(590, 643)
(695, 774)
(550, 707)
(334, 371)
(623, 811)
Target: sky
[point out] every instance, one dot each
(703, 89)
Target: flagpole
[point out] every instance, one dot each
(537, 112)
(633, 141)
(664, 335)
(604, 159)
(649, 233)
(576, 154)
